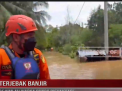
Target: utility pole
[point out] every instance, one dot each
(106, 28)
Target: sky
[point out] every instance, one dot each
(58, 11)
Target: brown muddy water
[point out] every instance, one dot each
(63, 67)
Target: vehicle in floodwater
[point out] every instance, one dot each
(98, 54)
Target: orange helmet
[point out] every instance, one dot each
(20, 24)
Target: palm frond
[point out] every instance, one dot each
(5, 14)
(43, 20)
(43, 13)
(2, 36)
(13, 8)
(38, 3)
(26, 5)
(22, 7)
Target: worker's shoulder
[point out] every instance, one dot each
(37, 51)
(2, 51)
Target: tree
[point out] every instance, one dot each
(48, 28)
(96, 24)
(117, 7)
(27, 8)
(41, 38)
(115, 35)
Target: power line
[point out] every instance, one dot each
(79, 12)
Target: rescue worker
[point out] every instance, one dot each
(21, 60)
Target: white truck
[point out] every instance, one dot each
(99, 53)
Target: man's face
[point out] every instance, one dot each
(20, 39)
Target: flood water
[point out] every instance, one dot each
(63, 67)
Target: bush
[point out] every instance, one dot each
(60, 49)
(74, 48)
(72, 54)
(67, 49)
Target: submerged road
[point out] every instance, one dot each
(63, 67)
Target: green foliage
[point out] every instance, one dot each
(115, 35)
(66, 41)
(67, 49)
(60, 49)
(26, 8)
(86, 37)
(41, 38)
(52, 38)
(74, 48)
(96, 24)
(75, 40)
(72, 54)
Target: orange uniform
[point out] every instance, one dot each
(6, 69)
